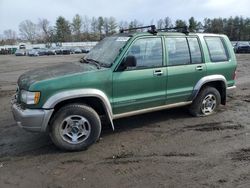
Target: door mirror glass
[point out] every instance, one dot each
(129, 61)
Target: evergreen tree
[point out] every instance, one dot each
(192, 25)
(180, 24)
(63, 32)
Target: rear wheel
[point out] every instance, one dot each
(206, 102)
(75, 127)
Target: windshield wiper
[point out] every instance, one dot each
(91, 61)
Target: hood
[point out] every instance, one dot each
(30, 77)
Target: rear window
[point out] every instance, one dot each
(217, 50)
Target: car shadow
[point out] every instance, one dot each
(37, 144)
(145, 120)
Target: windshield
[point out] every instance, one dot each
(106, 51)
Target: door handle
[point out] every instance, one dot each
(158, 72)
(199, 68)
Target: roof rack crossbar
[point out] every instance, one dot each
(184, 29)
(151, 30)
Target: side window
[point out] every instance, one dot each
(178, 52)
(195, 50)
(216, 49)
(147, 51)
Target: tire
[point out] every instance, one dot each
(206, 103)
(75, 127)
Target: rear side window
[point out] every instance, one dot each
(195, 50)
(217, 50)
(178, 51)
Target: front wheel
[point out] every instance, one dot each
(75, 127)
(206, 102)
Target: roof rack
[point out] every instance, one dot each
(183, 29)
(152, 29)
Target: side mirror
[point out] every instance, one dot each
(129, 61)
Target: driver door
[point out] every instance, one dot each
(142, 86)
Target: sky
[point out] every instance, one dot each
(13, 12)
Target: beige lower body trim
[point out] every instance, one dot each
(147, 110)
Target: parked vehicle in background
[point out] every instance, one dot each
(66, 51)
(51, 51)
(124, 75)
(22, 46)
(42, 51)
(77, 51)
(85, 50)
(242, 47)
(20, 52)
(58, 50)
(37, 51)
(33, 52)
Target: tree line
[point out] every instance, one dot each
(83, 28)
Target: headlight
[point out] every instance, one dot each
(30, 97)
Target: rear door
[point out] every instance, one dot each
(185, 67)
(221, 62)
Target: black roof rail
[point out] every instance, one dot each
(183, 29)
(152, 29)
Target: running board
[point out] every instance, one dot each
(147, 110)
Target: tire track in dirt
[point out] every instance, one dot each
(215, 126)
(129, 157)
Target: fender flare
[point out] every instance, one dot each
(207, 79)
(78, 93)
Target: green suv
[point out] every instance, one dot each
(124, 75)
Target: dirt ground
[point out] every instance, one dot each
(162, 149)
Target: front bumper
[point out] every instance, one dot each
(35, 120)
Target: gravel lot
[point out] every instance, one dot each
(162, 149)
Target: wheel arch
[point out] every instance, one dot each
(91, 97)
(217, 81)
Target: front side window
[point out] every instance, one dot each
(216, 49)
(178, 51)
(148, 53)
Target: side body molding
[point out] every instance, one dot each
(205, 80)
(77, 93)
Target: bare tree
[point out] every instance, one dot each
(94, 34)
(112, 25)
(86, 24)
(135, 23)
(160, 24)
(94, 25)
(28, 30)
(123, 24)
(106, 25)
(167, 22)
(10, 36)
(46, 30)
(76, 27)
(109, 26)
